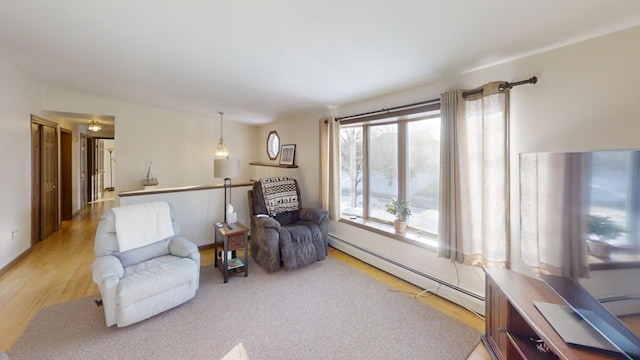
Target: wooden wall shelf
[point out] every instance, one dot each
(274, 165)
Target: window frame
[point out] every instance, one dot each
(413, 235)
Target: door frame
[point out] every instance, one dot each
(83, 171)
(35, 182)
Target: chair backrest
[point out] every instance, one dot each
(257, 205)
(106, 241)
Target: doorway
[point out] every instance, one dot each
(44, 178)
(99, 184)
(109, 145)
(93, 170)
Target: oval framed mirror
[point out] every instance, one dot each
(273, 145)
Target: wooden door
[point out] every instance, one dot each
(66, 175)
(49, 182)
(44, 179)
(35, 183)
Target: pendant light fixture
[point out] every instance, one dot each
(221, 150)
(94, 126)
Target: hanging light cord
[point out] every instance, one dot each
(221, 113)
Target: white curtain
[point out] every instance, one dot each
(330, 166)
(554, 197)
(474, 178)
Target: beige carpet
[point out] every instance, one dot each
(327, 310)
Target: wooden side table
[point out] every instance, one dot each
(231, 237)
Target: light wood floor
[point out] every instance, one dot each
(58, 269)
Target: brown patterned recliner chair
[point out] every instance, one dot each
(283, 233)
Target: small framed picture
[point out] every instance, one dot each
(287, 154)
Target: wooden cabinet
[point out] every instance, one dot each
(513, 323)
(498, 307)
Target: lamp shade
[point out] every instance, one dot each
(226, 168)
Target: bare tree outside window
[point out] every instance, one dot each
(383, 169)
(351, 170)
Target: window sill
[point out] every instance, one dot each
(411, 236)
(619, 259)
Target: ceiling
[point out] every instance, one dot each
(261, 60)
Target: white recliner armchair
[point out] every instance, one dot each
(157, 269)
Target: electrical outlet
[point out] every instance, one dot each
(14, 232)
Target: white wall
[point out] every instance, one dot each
(197, 211)
(586, 99)
(19, 98)
(304, 134)
(181, 145)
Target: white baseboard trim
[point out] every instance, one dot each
(451, 292)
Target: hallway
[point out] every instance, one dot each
(58, 269)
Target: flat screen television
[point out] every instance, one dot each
(580, 230)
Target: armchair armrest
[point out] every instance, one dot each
(314, 215)
(104, 267)
(184, 248)
(266, 222)
(265, 242)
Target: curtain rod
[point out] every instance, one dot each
(502, 87)
(408, 106)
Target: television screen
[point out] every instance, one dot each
(580, 222)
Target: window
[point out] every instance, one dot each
(423, 173)
(383, 169)
(395, 157)
(351, 170)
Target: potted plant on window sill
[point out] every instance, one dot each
(400, 209)
(604, 229)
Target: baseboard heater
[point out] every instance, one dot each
(417, 272)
